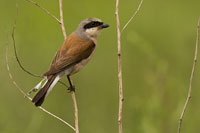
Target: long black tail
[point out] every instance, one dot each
(40, 96)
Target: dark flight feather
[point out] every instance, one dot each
(40, 96)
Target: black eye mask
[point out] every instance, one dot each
(93, 24)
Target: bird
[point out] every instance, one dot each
(71, 57)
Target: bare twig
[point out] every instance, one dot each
(57, 118)
(75, 111)
(10, 75)
(25, 95)
(121, 98)
(61, 19)
(135, 13)
(45, 10)
(119, 68)
(14, 45)
(72, 92)
(191, 78)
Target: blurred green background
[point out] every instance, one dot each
(157, 56)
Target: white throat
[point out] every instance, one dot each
(93, 32)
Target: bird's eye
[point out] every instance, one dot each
(93, 24)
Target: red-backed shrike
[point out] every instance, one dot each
(74, 53)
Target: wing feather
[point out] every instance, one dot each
(73, 50)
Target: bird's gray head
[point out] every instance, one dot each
(90, 28)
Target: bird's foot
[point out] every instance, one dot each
(71, 88)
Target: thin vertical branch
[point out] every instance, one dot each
(135, 13)
(61, 19)
(121, 98)
(75, 111)
(119, 68)
(72, 92)
(26, 96)
(191, 78)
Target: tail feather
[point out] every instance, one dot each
(40, 96)
(40, 101)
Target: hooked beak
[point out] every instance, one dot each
(104, 26)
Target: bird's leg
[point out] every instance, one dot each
(72, 87)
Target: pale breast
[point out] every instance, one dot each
(76, 68)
